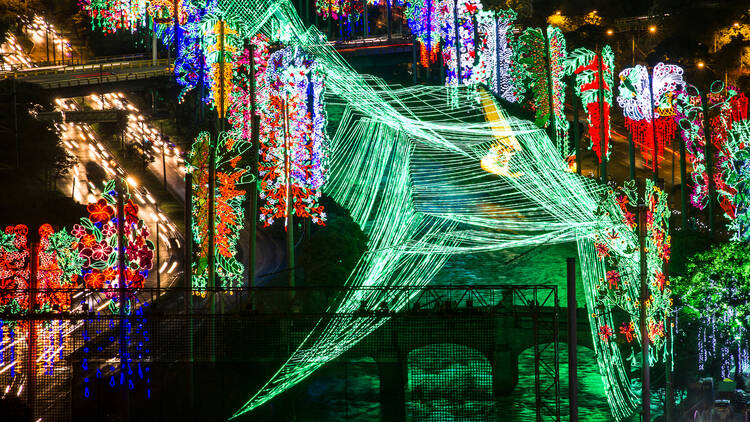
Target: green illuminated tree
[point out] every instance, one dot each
(714, 300)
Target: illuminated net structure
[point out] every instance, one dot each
(427, 177)
(591, 86)
(647, 104)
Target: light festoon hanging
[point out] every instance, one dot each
(457, 26)
(649, 113)
(584, 64)
(229, 202)
(543, 58)
(293, 137)
(503, 74)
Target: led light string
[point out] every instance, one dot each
(635, 99)
(543, 59)
(229, 206)
(408, 243)
(584, 64)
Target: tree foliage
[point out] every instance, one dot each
(333, 250)
(713, 296)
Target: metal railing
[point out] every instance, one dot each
(101, 67)
(379, 301)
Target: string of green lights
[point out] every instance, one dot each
(426, 178)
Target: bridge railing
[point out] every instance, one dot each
(101, 67)
(94, 80)
(370, 42)
(362, 301)
(120, 58)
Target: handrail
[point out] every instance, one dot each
(67, 83)
(139, 64)
(106, 59)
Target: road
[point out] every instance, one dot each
(95, 165)
(167, 156)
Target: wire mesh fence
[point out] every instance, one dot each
(173, 355)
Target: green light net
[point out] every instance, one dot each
(426, 178)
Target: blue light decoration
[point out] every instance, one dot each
(421, 16)
(191, 68)
(97, 240)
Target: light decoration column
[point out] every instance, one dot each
(229, 200)
(97, 236)
(220, 41)
(650, 120)
(57, 270)
(543, 58)
(14, 284)
(190, 67)
(729, 139)
(616, 260)
(335, 9)
(457, 26)
(584, 64)
(241, 100)
(295, 88)
(422, 18)
(502, 73)
(115, 15)
(162, 11)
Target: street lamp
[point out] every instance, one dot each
(610, 32)
(651, 30)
